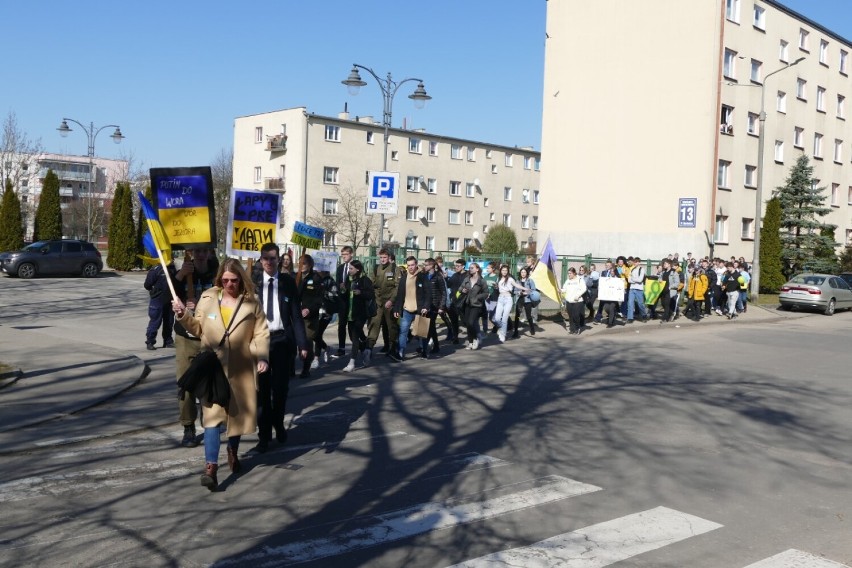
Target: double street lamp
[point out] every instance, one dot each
(389, 88)
(91, 134)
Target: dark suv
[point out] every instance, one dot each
(65, 256)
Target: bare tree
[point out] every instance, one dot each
(18, 154)
(222, 170)
(350, 220)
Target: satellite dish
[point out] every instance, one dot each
(476, 235)
(476, 181)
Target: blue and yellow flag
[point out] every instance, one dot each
(544, 274)
(155, 241)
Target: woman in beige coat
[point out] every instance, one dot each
(244, 353)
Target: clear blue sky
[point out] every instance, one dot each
(174, 75)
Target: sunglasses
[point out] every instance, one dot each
(230, 280)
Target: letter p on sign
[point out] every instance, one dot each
(383, 187)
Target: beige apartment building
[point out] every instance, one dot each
(451, 190)
(651, 122)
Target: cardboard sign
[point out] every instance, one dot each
(611, 289)
(307, 236)
(252, 221)
(183, 198)
(325, 261)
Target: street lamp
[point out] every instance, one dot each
(389, 88)
(91, 134)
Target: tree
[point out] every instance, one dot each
(48, 220)
(846, 259)
(222, 170)
(500, 240)
(801, 208)
(350, 221)
(825, 255)
(122, 232)
(771, 268)
(18, 154)
(11, 223)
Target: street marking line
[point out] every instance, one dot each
(796, 559)
(602, 544)
(416, 520)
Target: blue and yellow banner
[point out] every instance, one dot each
(184, 200)
(307, 236)
(155, 239)
(253, 221)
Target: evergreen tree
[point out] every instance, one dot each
(846, 259)
(771, 268)
(122, 245)
(141, 228)
(11, 223)
(801, 208)
(48, 219)
(825, 255)
(500, 240)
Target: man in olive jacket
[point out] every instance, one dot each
(385, 283)
(413, 298)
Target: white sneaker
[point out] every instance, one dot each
(470, 345)
(325, 355)
(368, 353)
(350, 367)
(315, 364)
(501, 337)
(475, 344)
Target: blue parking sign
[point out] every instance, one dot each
(382, 196)
(383, 186)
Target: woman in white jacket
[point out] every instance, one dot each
(572, 290)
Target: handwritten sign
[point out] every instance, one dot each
(611, 289)
(184, 201)
(252, 221)
(324, 260)
(307, 236)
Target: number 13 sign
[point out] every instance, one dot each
(686, 212)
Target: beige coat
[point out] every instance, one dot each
(247, 343)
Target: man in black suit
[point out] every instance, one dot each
(342, 280)
(286, 334)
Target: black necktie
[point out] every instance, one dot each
(270, 307)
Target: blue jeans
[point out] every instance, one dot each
(501, 314)
(404, 327)
(636, 297)
(211, 443)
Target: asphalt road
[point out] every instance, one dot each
(722, 444)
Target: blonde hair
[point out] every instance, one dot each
(234, 266)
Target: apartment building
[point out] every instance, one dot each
(452, 190)
(664, 122)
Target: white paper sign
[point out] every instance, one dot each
(611, 289)
(324, 260)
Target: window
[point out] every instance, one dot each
(455, 152)
(485, 202)
(452, 243)
(779, 151)
(527, 162)
(803, 39)
(430, 243)
(430, 214)
(849, 236)
(370, 138)
(468, 217)
(537, 164)
(454, 217)
(750, 176)
(525, 221)
(799, 137)
(535, 196)
(412, 183)
(433, 148)
(508, 161)
(411, 213)
(468, 243)
(329, 207)
(781, 102)
(838, 151)
(507, 219)
(841, 107)
(820, 103)
(729, 64)
(507, 194)
(414, 145)
(756, 71)
(257, 178)
(835, 195)
(823, 52)
(759, 17)
(395, 155)
(535, 223)
(817, 146)
(720, 235)
(726, 120)
(488, 154)
(722, 177)
(469, 189)
(492, 217)
(525, 196)
(849, 195)
(748, 229)
(412, 242)
(732, 10)
(332, 133)
(329, 175)
(432, 185)
(455, 188)
(844, 61)
(801, 89)
(329, 239)
(493, 168)
(471, 154)
(258, 134)
(784, 51)
(753, 124)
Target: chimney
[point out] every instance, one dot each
(345, 114)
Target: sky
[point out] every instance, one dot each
(174, 75)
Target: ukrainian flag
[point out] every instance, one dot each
(544, 275)
(155, 241)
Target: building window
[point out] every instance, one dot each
(467, 243)
(258, 134)
(412, 183)
(432, 186)
(722, 177)
(485, 202)
(820, 102)
(525, 221)
(455, 152)
(801, 89)
(841, 107)
(535, 196)
(257, 178)
(430, 214)
(414, 145)
(508, 161)
(433, 148)
(528, 162)
(784, 51)
(759, 18)
(430, 243)
(537, 164)
(849, 236)
(535, 223)
(781, 102)
(412, 242)
(454, 217)
(332, 133)
(395, 155)
(729, 64)
(411, 213)
(817, 146)
(493, 168)
(756, 71)
(732, 10)
(838, 151)
(452, 243)
(798, 137)
(750, 176)
(507, 194)
(726, 120)
(748, 229)
(471, 154)
(835, 195)
(507, 219)
(779, 151)
(525, 196)
(455, 188)
(329, 239)
(488, 154)
(370, 138)
(468, 217)
(823, 52)
(720, 235)
(329, 175)
(849, 195)
(329, 207)
(844, 61)
(469, 190)
(492, 217)
(753, 125)
(803, 39)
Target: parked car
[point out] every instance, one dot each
(847, 276)
(61, 256)
(824, 292)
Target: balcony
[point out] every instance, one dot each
(273, 183)
(277, 143)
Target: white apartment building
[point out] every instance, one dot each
(452, 191)
(650, 103)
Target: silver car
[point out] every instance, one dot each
(824, 292)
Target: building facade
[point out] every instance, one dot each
(452, 190)
(652, 141)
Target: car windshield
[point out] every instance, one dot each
(808, 279)
(36, 246)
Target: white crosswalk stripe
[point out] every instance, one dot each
(796, 559)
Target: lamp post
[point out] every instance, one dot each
(91, 134)
(758, 198)
(389, 88)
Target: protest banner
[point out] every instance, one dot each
(611, 289)
(325, 260)
(183, 198)
(252, 221)
(307, 236)
(653, 289)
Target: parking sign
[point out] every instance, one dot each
(383, 193)
(686, 212)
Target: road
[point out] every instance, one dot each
(721, 444)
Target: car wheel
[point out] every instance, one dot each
(90, 270)
(786, 307)
(829, 309)
(26, 270)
